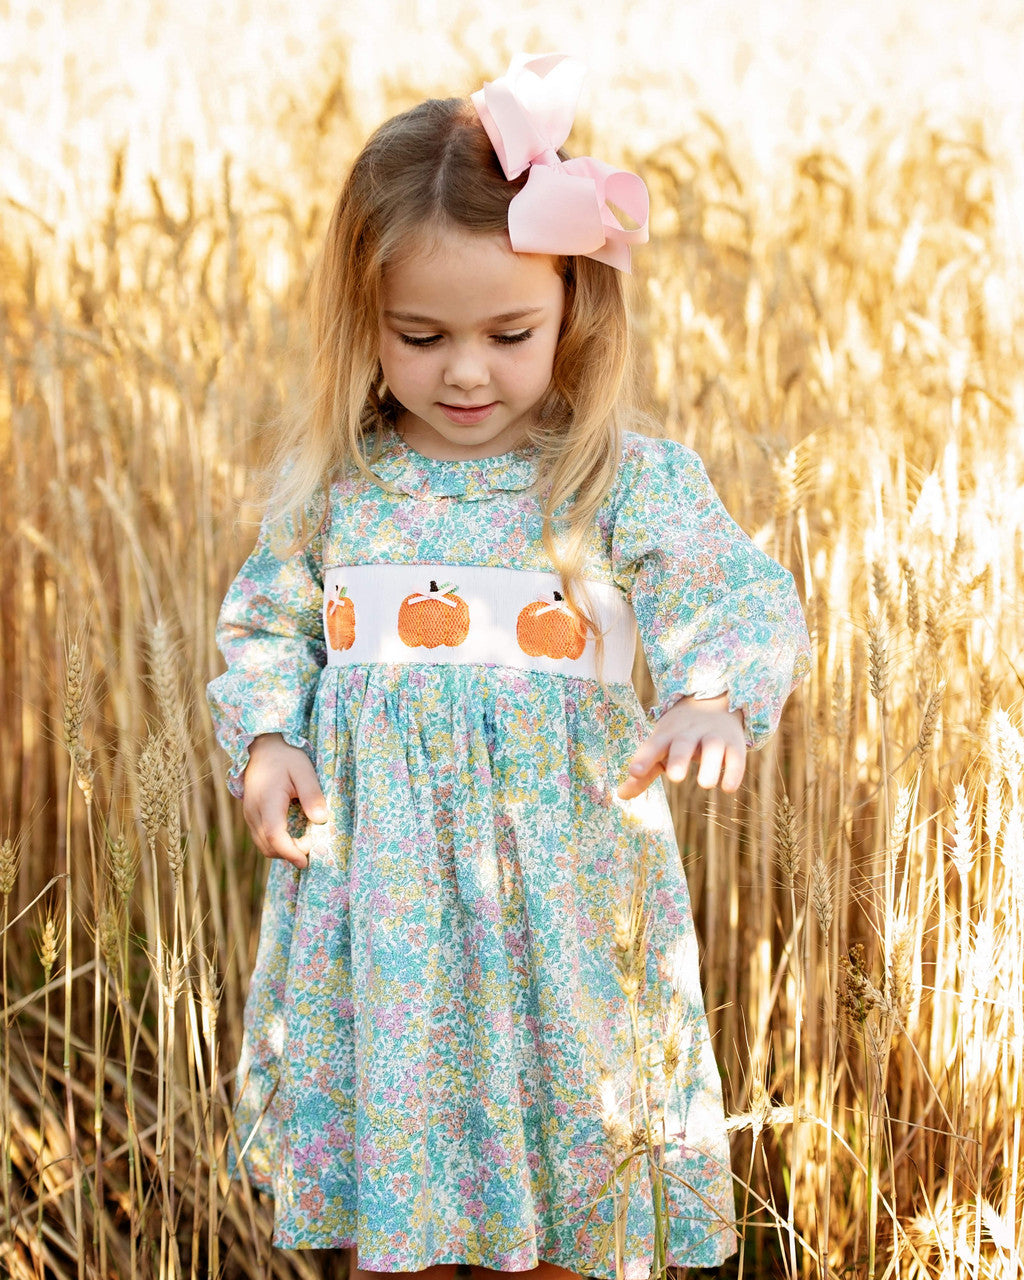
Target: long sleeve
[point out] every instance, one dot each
(270, 631)
(715, 614)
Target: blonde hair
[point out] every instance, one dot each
(433, 167)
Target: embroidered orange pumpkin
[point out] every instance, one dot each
(551, 629)
(439, 617)
(341, 621)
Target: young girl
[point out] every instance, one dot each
(430, 652)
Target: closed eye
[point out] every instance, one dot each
(428, 341)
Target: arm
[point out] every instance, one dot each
(270, 631)
(720, 621)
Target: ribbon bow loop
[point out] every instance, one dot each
(580, 206)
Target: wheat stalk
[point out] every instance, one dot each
(845, 356)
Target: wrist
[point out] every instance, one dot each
(718, 701)
(690, 702)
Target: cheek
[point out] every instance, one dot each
(395, 363)
(542, 367)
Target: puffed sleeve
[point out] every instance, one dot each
(715, 614)
(270, 631)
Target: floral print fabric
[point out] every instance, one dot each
(436, 1044)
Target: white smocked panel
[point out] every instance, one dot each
(368, 628)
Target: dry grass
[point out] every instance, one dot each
(848, 361)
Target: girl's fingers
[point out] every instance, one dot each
(647, 763)
(273, 841)
(309, 795)
(288, 850)
(712, 754)
(679, 759)
(277, 776)
(269, 827)
(647, 756)
(638, 782)
(722, 762)
(735, 767)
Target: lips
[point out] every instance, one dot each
(467, 415)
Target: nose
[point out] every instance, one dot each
(466, 367)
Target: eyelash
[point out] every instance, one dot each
(503, 339)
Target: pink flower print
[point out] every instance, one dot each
(338, 1136)
(391, 1019)
(380, 903)
(489, 909)
(404, 517)
(501, 1022)
(586, 926)
(338, 898)
(316, 1152)
(672, 914)
(493, 1151)
(474, 1206)
(368, 1156)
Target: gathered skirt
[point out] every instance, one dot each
(439, 1061)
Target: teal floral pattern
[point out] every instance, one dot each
(437, 1049)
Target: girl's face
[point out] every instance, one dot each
(468, 337)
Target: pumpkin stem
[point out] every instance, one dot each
(433, 585)
(559, 596)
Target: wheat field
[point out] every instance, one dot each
(831, 311)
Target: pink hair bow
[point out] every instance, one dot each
(570, 206)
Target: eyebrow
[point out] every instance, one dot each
(506, 317)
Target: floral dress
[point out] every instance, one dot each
(439, 1063)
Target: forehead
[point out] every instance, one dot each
(447, 274)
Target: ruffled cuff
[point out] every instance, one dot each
(244, 707)
(759, 692)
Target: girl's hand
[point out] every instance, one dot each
(693, 729)
(276, 775)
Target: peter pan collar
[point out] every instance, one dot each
(472, 479)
